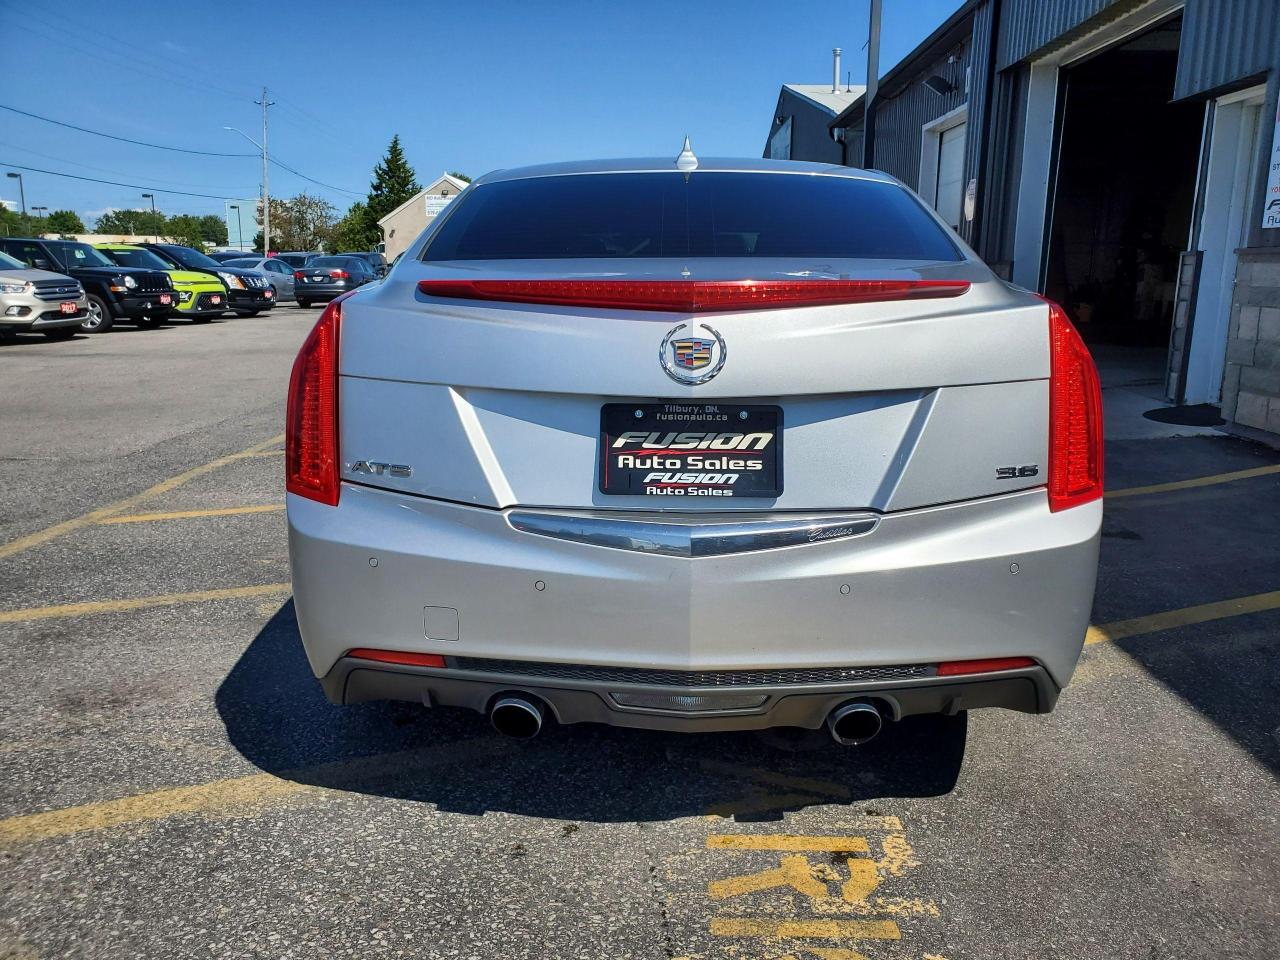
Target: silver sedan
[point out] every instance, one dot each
(694, 446)
(277, 272)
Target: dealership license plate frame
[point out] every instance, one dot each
(683, 417)
(72, 305)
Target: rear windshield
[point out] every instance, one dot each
(332, 262)
(710, 214)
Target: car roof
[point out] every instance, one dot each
(118, 246)
(667, 165)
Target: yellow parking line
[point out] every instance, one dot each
(786, 841)
(829, 929)
(1196, 482)
(186, 514)
(239, 792)
(142, 603)
(1182, 617)
(120, 506)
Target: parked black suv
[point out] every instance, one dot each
(142, 297)
(248, 291)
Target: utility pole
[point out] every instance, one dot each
(266, 195)
(873, 84)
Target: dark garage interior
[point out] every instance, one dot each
(1125, 184)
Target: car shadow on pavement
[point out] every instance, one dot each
(277, 717)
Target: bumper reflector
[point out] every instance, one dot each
(690, 703)
(402, 657)
(957, 668)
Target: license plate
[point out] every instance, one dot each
(690, 450)
(316, 279)
(165, 299)
(67, 306)
(216, 299)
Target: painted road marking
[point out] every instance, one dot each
(827, 929)
(248, 791)
(142, 603)
(842, 882)
(1183, 617)
(786, 841)
(187, 514)
(120, 506)
(1196, 482)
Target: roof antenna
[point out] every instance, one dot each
(686, 162)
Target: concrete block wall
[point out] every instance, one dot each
(1251, 381)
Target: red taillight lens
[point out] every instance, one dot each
(339, 274)
(311, 421)
(1075, 417)
(957, 668)
(693, 296)
(398, 656)
(298, 274)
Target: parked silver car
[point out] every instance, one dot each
(39, 301)
(720, 445)
(278, 273)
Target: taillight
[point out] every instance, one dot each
(339, 274)
(298, 275)
(1075, 417)
(959, 668)
(311, 420)
(693, 296)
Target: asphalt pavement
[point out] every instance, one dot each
(174, 784)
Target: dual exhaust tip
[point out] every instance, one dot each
(521, 718)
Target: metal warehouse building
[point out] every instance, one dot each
(1118, 156)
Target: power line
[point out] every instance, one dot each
(109, 136)
(88, 166)
(330, 186)
(117, 183)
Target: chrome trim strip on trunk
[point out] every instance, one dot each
(691, 536)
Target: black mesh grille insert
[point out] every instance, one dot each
(691, 678)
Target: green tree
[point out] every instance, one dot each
(65, 221)
(460, 176)
(354, 231)
(394, 182)
(213, 229)
(185, 229)
(303, 222)
(131, 222)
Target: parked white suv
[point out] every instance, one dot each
(39, 301)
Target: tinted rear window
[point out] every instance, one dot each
(345, 262)
(709, 214)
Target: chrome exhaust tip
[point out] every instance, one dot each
(855, 723)
(517, 717)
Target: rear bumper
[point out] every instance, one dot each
(354, 681)
(926, 586)
(320, 291)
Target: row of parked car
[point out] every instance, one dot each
(62, 287)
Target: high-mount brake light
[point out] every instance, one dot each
(311, 419)
(693, 296)
(1075, 417)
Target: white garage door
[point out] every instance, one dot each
(950, 186)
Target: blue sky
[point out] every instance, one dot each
(469, 86)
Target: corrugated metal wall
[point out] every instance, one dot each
(1224, 41)
(899, 117)
(979, 55)
(1029, 25)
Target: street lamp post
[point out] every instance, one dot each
(36, 211)
(154, 222)
(239, 226)
(266, 198)
(21, 190)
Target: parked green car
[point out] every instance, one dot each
(201, 296)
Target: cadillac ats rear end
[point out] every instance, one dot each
(708, 446)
